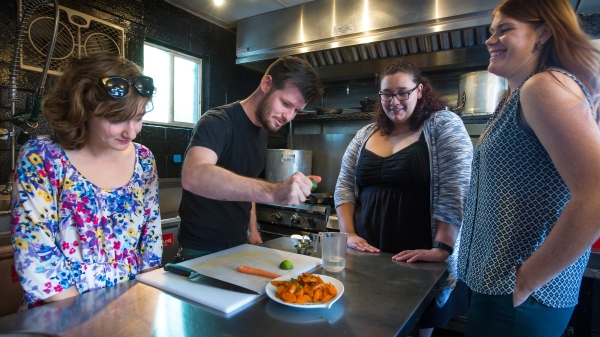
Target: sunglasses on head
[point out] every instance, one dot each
(118, 86)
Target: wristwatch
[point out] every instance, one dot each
(443, 246)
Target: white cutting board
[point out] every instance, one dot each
(222, 265)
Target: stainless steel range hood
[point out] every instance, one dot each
(355, 38)
(343, 32)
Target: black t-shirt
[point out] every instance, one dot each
(241, 147)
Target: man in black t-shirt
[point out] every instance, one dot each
(226, 154)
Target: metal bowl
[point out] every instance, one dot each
(301, 249)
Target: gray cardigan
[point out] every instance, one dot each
(450, 155)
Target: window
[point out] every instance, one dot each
(177, 78)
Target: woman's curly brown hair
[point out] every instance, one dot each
(78, 96)
(429, 102)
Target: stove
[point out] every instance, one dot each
(302, 219)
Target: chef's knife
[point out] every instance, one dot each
(194, 276)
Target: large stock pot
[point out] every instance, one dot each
(479, 93)
(282, 163)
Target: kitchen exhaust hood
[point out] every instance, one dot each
(350, 39)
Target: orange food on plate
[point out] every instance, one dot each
(307, 288)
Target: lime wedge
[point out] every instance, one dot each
(286, 265)
(314, 185)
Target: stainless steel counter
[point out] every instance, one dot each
(381, 298)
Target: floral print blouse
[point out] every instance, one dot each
(68, 232)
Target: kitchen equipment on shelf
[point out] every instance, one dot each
(222, 265)
(367, 105)
(305, 113)
(329, 111)
(282, 163)
(333, 246)
(194, 276)
(479, 93)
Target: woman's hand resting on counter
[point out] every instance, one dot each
(358, 243)
(446, 233)
(431, 255)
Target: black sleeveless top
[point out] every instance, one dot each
(393, 208)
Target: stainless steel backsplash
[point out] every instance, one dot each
(328, 151)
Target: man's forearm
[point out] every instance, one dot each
(253, 224)
(214, 182)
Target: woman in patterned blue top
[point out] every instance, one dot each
(85, 214)
(534, 204)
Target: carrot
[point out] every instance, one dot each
(332, 289)
(296, 290)
(256, 271)
(289, 297)
(302, 299)
(280, 290)
(318, 295)
(291, 289)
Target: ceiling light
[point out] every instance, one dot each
(218, 2)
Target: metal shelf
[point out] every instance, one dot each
(467, 119)
(340, 117)
(475, 119)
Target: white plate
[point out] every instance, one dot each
(271, 290)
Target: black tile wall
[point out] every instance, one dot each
(152, 132)
(158, 22)
(178, 135)
(165, 143)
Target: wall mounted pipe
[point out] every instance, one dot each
(31, 122)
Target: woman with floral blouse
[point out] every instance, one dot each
(85, 200)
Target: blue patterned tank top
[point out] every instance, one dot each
(516, 196)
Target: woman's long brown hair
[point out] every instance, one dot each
(569, 48)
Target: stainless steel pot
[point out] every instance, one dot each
(479, 93)
(282, 163)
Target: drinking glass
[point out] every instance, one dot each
(333, 246)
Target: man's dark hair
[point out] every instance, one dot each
(291, 69)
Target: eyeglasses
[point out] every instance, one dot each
(401, 96)
(118, 86)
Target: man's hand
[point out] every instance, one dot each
(254, 238)
(294, 189)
